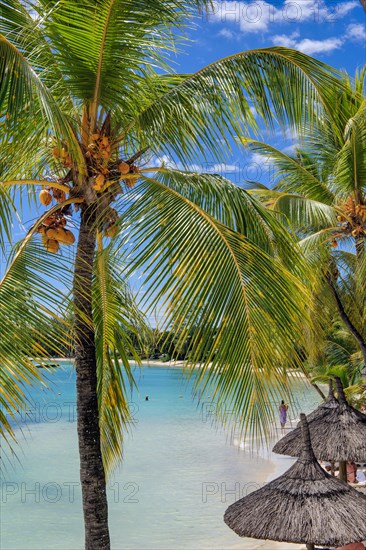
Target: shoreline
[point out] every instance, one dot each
(152, 363)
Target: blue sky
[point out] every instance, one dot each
(332, 31)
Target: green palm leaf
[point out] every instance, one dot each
(350, 169)
(28, 301)
(247, 304)
(116, 318)
(269, 79)
(291, 176)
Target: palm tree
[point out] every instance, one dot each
(321, 190)
(87, 97)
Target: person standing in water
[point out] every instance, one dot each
(283, 415)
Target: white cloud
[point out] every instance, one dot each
(307, 45)
(290, 149)
(256, 16)
(227, 33)
(356, 32)
(318, 11)
(247, 16)
(205, 167)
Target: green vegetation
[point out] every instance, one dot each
(88, 102)
(321, 192)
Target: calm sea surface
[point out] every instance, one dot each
(178, 476)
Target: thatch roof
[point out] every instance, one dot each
(337, 433)
(330, 403)
(304, 505)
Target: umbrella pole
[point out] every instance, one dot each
(342, 470)
(310, 547)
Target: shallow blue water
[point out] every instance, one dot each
(178, 476)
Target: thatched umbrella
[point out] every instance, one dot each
(338, 434)
(304, 505)
(330, 403)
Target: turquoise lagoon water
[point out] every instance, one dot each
(178, 476)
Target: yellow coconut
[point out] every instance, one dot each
(105, 141)
(65, 236)
(94, 137)
(52, 246)
(41, 229)
(45, 197)
(52, 233)
(124, 168)
(56, 152)
(59, 195)
(49, 221)
(99, 180)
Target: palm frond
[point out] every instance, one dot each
(213, 104)
(116, 318)
(303, 214)
(291, 175)
(26, 100)
(234, 207)
(350, 168)
(29, 303)
(248, 306)
(7, 210)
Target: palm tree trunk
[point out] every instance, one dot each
(342, 469)
(92, 474)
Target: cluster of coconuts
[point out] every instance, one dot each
(53, 227)
(63, 156)
(353, 221)
(49, 193)
(99, 152)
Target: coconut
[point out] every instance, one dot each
(53, 233)
(56, 152)
(45, 197)
(59, 195)
(66, 236)
(52, 246)
(41, 229)
(105, 141)
(124, 168)
(50, 220)
(99, 180)
(95, 137)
